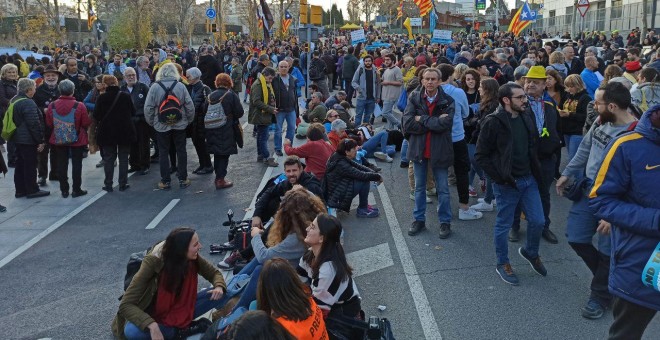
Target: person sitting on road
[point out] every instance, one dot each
(255, 324)
(330, 117)
(337, 132)
(371, 141)
(325, 268)
(269, 201)
(281, 294)
(162, 300)
(284, 239)
(316, 151)
(345, 179)
(316, 113)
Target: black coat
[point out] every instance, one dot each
(7, 92)
(210, 69)
(221, 141)
(82, 86)
(115, 127)
(29, 122)
(198, 94)
(45, 95)
(340, 174)
(139, 97)
(269, 200)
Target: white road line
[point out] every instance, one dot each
(245, 125)
(162, 214)
(369, 260)
(424, 311)
(49, 230)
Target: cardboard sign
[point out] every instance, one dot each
(441, 37)
(357, 37)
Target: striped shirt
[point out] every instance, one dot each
(326, 288)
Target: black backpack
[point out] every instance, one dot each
(315, 71)
(170, 109)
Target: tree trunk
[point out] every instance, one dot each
(56, 9)
(645, 23)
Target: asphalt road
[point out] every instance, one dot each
(66, 285)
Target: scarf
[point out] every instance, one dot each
(265, 88)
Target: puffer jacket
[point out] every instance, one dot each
(646, 91)
(221, 141)
(633, 209)
(340, 173)
(30, 127)
(143, 289)
(63, 106)
(45, 95)
(7, 91)
(442, 154)
(198, 94)
(154, 98)
(495, 147)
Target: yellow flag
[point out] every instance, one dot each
(406, 24)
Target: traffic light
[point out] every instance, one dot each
(303, 12)
(214, 27)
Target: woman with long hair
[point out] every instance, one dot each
(611, 71)
(470, 85)
(221, 141)
(554, 86)
(325, 267)
(573, 113)
(162, 299)
(489, 102)
(281, 294)
(256, 325)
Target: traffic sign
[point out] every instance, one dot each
(583, 6)
(415, 21)
(210, 13)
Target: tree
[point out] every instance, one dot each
(353, 10)
(39, 31)
(130, 30)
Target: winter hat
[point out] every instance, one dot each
(633, 66)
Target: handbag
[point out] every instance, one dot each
(403, 100)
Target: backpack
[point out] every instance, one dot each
(215, 114)
(170, 110)
(64, 127)
(315, 72)
(8, 125)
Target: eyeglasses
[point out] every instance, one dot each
(522, 98)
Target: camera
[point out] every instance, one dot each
(235, 227)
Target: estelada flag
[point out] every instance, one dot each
(425, 6)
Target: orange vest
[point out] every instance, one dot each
(313, 328)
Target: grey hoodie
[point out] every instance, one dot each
(561, 68)
(359, 82)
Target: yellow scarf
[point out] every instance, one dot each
(265, 87)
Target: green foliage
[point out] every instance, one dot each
(130, 30)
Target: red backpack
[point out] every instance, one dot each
(170, 110)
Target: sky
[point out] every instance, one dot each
(341, 4)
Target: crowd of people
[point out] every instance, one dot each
(486, 113)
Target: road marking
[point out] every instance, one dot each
(245, 125)
(369, 260)
(50, 229)
(424, 311)
(162, 213)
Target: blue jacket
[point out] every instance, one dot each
(590, 81)
(300, 80)
(462, 111)
(633, 209)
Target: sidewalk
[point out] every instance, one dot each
(26, 218)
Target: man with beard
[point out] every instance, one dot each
(392, 84)
(506, 151)
(46, 93)
(81, 80)
(269, 199)
(611, 102)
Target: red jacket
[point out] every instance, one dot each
(63, 106)
(316, 155)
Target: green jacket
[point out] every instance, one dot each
(237, 78)
(317, 114)
(144, 288)
(260, 112)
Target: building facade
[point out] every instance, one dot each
(560, 16)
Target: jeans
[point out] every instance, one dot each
(508, 198)
(203, 305)
(547, 176)
(392, 122)
(630, 320)
(474, 167)
(62, 155)
(572, 143)
(363, 111)
(490, 194)
(166, 141)
(349, 90)
(361, 189)
(462, 169)
(220, 163)
(442, 189)
(25, 173)
(253, 268)
(139, 158)
(372, 144)
(262, 141)
(580, 230)
(111, 152)
(322, 84)
(290, 118)
(404, 151)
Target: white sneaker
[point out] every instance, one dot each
(482, 206)
(481, 200)
(469, 214)
(383, 157)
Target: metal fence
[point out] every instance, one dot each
(623, 18)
